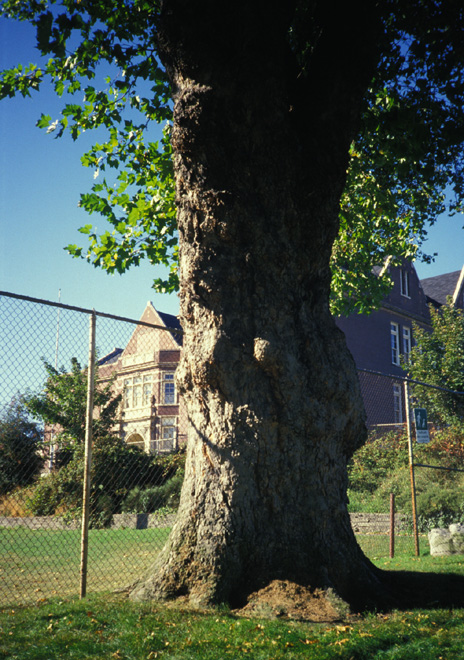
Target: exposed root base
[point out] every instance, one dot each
(283, 599)
(287, 599)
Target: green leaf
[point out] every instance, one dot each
(86, 229)
(44, 121)
(44, 31)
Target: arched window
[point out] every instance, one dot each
(136, 440)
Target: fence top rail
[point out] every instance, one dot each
(409, 380)
(438, 467)
(72, 308)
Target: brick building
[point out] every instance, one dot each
(152, 416)
(380, 340)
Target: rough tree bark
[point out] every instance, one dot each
(261, 152)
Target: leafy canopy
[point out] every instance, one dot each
(20, 445)
(116, 469)
(63, 402)
(438, 359)
(407, 155)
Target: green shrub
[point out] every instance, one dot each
(149, 500)
(60, 492)
(446, 447)
(116, 470)
(381, 467)
(20, 444)
(376, 459)
(441, 504)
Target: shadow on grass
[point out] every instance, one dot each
(411, 589)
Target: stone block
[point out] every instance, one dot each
(457, 538)
(440, 542)
(129, 521)
(447, 541)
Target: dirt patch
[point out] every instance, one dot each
(284, 599)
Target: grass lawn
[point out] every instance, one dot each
(108, 626)
(113, 628)
(37, 564)
(378, 545)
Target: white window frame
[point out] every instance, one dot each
(394, 343)
(127, 395)
(134, 392)
(168, 385)
(397, 404)
(406, 342)
(137, 392)
(404, 283)
(147, 390)
(167, 433)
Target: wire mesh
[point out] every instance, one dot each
(139, 434)
(382, 468)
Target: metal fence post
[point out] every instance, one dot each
(88, 456)
(411, 468)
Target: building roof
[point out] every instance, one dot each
(111, 358)
(438, 288)
(173, 323)
(169, 320)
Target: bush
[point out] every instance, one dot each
(376, 459)
(441, 504)
(116, 470)
(59, 493)
(149, 500)
(381, 467)
(20, 442)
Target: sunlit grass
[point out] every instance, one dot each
(113, 628)
(425, 563)
(378, 545)
(37, 564)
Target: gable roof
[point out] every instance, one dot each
(172, 322)
(169, 321)
(111, 358)
(438, 288)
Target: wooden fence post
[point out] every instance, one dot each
(88, 456)
(411, 468)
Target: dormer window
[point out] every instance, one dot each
(404, 282)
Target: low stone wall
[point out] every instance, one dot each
(142, 520)
(38, 522)
(362, 523)
(120, 521)
(376, 523)
(445, 542)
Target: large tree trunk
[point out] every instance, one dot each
(271, 391)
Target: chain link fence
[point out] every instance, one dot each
(139, 433)
(408, 477)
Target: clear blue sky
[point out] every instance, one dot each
(40, 182)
